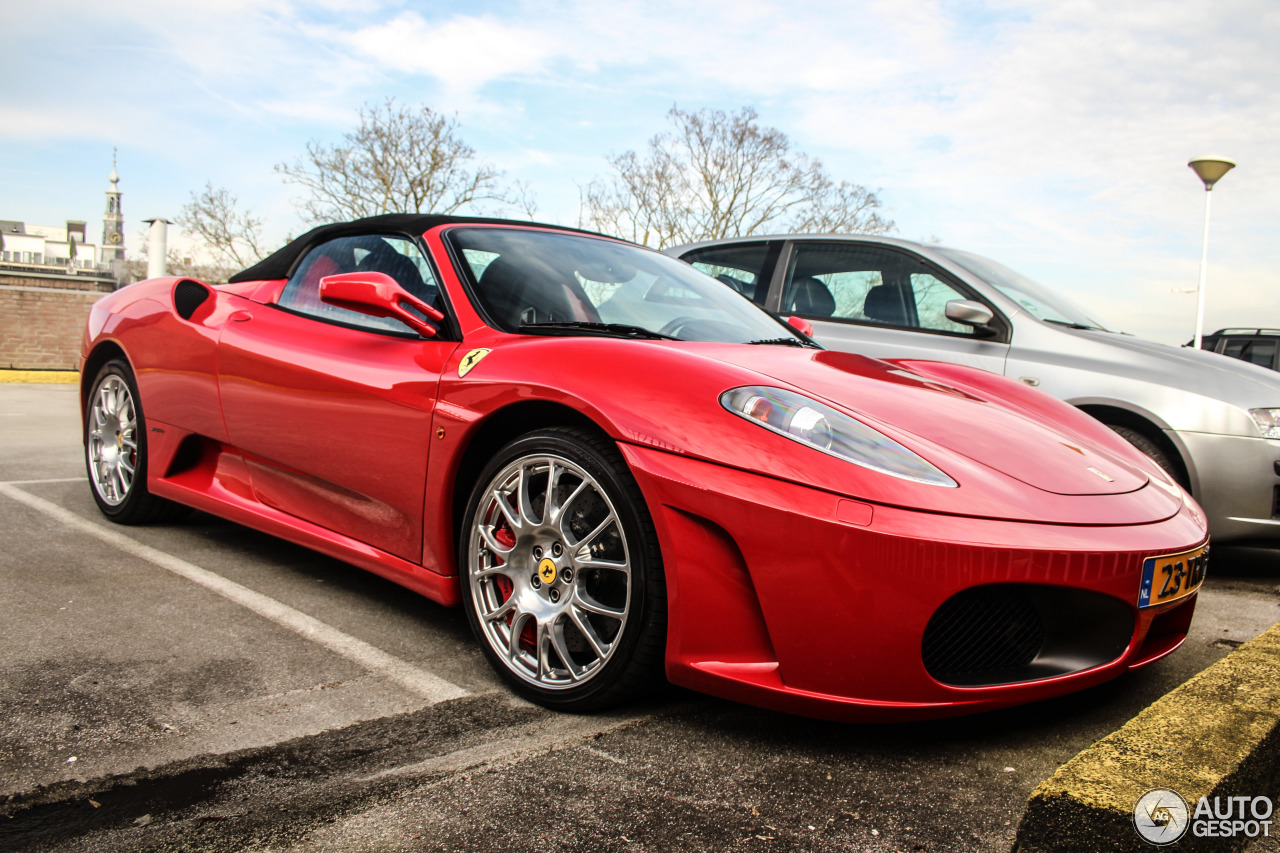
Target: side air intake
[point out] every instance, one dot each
(188, 295)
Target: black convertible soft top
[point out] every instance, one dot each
(279, 264)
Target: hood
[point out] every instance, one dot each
(937, 420)
(1009, 459)
(1208, 374)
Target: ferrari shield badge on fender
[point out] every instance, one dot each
(470, 360)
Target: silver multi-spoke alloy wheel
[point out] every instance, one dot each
(549, 571)
(115, 450)
(111, 441)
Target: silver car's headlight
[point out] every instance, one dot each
(1268, 421)
(823, 428)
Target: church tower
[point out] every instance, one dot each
(113, 221)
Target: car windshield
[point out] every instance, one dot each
(1036, 299)
(553, 282)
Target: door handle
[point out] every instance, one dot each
(240, 316)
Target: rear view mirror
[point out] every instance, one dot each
(378, 295)
(970, 313)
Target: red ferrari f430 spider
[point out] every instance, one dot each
(621, 468)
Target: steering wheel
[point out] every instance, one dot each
(674, 327)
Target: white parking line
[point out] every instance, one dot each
(38, 482)
(432, 688)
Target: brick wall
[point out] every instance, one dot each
(42, 319)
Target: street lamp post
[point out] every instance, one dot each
(1210, 170)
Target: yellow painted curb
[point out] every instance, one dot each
(1217, 735)
(62, 377)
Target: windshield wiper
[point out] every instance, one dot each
(786, 342)
(620, 330)
(1072, 325)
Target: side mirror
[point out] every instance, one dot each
(378, 295)
(801, 325)
(970, 313)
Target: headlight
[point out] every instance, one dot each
(823, 428)
(1268, 421)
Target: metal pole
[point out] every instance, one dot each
(1204, 264)
(157, 248)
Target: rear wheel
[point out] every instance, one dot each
(115, 443)
(561, 575)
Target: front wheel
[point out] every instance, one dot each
(1153, 450)
(561, 574)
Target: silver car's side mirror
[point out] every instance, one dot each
(968, 312)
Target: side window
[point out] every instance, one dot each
(1260, 351)
(745, 267)
(932, 295)
(868, 284)
(397, 257)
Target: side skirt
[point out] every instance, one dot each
(219, 485)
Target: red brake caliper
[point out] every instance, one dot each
(528, 634)
(506, 540)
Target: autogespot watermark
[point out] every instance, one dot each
(1161, 816)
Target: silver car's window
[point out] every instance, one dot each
(523, 278)
(742, 266)
(1035, 299)
(868, 284)
(1260, 351)
(397, 257)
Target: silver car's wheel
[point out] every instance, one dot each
(112, 440)
(1153, 450)
(559, 571)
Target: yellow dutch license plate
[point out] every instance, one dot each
(1166, 579)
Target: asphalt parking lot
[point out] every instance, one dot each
(200, 686)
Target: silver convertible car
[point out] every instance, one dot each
(1213, 422)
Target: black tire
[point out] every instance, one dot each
(592, 634)
(1149, 447)
(115, 445)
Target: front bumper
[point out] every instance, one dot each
(800, 600)
(1235, 480)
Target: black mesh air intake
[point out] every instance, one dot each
(188, 296)
(982, 632)
(1009, 633)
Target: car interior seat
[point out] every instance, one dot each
(305, 296)
(747, 290)
(887, 303)
(810, 296)
(387, 260)
(528, 291)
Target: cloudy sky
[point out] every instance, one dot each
(1052, 136)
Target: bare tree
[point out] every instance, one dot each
(523, 200)
(719, 175)
(842, 208)
(398, 160)
(231, 238)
